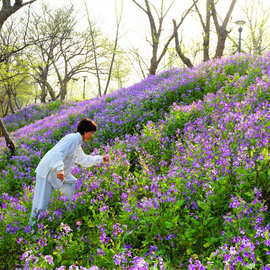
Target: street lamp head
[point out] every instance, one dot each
(240, 22)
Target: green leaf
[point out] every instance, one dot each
(251, 266)
(168, 224)
(202, 205)
(179, 204)
(266, 234)
(206, 245)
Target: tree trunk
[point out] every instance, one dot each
(10, 101)
(221, 29)
(63, 90)
(154, 64)
(113, 57)
(9, 142)
(6, 111)
(206, 40)
(18, 107)
(51, 91)
(43, 93)
(222, 35)
(95, 55)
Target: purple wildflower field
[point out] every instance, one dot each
(187, 186)
(32, 113)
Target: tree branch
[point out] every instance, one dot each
(141, 7)
(172, 36)
(185, 60)
(200, 15)
(228, 16)
(214, 15)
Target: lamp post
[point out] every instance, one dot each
(84, 79)
(240, 29)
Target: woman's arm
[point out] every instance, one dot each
(88, 160)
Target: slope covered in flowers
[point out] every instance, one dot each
(187, 186)
(32, 113)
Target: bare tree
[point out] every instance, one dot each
(206, 27)
(93, 41)
(101, 66)
(62, 50)
(220, 28)
(121, 70)
(7, 9)
(14, 75)
(49, 29)
(75, 56)
(135, 57)
(156, 28)
(114, 51)
(45, 36)
(257, 17)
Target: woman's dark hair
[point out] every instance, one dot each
(86, 125)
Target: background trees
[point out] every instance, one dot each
(257, 25)
(65, 51)
(7, 9)
(157, 28)
(221, 30)
(16, 86)
(61, 53)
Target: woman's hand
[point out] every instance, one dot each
(106, 158)
(60, 175)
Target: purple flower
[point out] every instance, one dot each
(65, 228)
(93, 267)
(49, 259)
(100, 252)
(139, 264)
(117, 259)
(61, 268)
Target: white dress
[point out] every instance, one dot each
(62, 156)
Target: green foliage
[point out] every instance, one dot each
(15, 82)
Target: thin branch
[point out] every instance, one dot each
(172, 36)
(141, 7)
(114, 52)
(229, 13)
(94, 51)
(214, 15)
(166, 12)
(200, 15)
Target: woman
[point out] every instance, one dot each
(54, 169)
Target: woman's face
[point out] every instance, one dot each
(87, 136)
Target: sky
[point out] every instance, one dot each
(134, 27)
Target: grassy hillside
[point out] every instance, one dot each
(187, 186)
